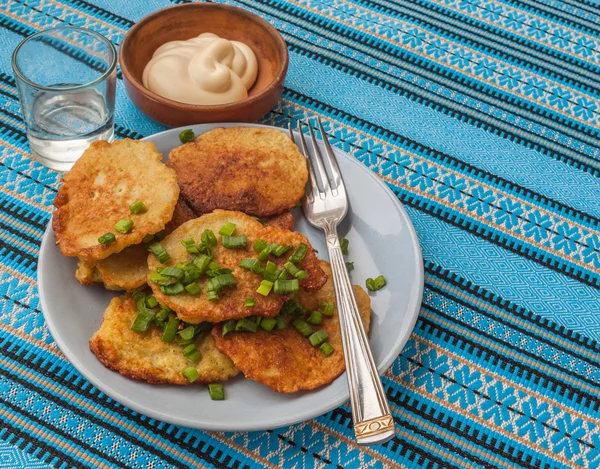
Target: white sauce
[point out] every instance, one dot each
(203, 70)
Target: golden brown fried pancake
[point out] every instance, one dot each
(254, 170)
(284, 360)
(128, 269)
(284, 220)
(98, 191)
(145, 356)
(194, 309)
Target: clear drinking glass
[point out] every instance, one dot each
(66, 79)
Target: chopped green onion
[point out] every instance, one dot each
(278, 250)
(219, 282)
(192, 273)
(256, 319)
(170, 330)
(264, 253)
(124, 226)
(286, 287)
(187, 333)
(268, 324)
(217, 272)
(138, 207)
(344, 245)
(326, 349)
(299, 253)
(216, 392)
(193, 288)
(107, 238)
(186, 135)
(260, 245)
(280, 322)
(234, 242)
(160, 279)
(301, 275)
(148, 239)
(208, 237)
(264, 288)
(161, 254)
(173, 289)
(151, 302)
(201, 261)
(246, 325)
(283, 275)
(174, 272)
(192, 353)
(318, 337)
(228, 326)
(292, 308)
(227, 229)
(137, 296)
(190, 246)
(349, 266)
(271, 267)
(212, 295)
(377, 284)
(251, 264)
(302, 327)
(162, 316)
(291, 268)
(249, 303)
(190, 373)
(160, 235)
(143, 320)
(213, 265)
(315, 318)
(327, 309)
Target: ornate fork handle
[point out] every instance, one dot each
(373, 421)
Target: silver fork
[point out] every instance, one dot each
(325, 205)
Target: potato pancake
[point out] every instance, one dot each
(146, 357)
(254, 170)
(230, 305)
(284, 360)
(284, 220)
(97, 192)
(128, 269)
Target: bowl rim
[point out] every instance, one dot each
(204, 107)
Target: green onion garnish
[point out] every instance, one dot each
(264, 288)
(192, 273)
(279, 251)
(327, 309)
(251, 264)
(286, 287)
(292, 308)
(256, 319)
(268, 324)
(137, 296)
(186, 135)
(228, 326)
(190, 373)
(160, 235)
(213, 265)
(249, 303)
(107, 238)
(326, 349)
(299, 253)
(219, 282)
(234, 242)
(217, 272)
(212, 295)
(227, 229)
(192, 353)
(318, 337)
(291, 268)
(162, 316)
(143, 320)
(190, 246)
(246, 325)
(170, 330)
(208, 237)
(315, 318)
(193, 288)
(160, 279)
(344, 245)
(302, 327)
(148, 238)
(174, 272)
(173, 289)
(271, 267)
(260, 245)
(349, 266)
(161, 254)
(301, 275)
(151, 302)
(201, 261)
(124, 226)
(280, 322)
(264, 253)
(187, 333)
(216, 392)
(138, 207)
(377, 284)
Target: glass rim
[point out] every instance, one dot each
(104, 76)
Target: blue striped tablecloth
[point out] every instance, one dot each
(483, 117)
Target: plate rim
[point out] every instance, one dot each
(308, 414)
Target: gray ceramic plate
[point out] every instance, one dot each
(382, 241)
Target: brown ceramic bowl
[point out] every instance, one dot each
(183, 22)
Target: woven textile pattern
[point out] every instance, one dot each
(483, 117)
